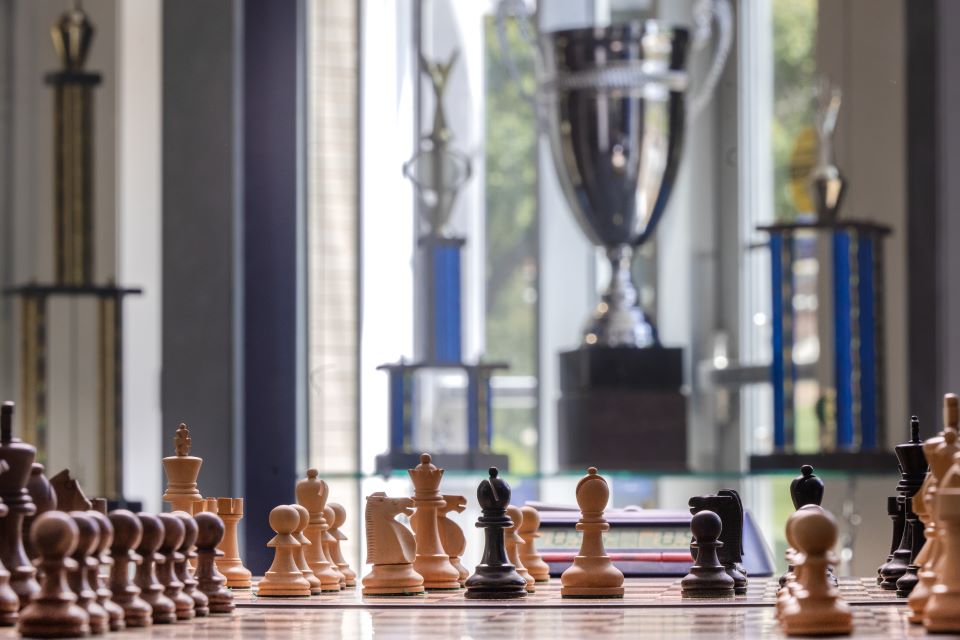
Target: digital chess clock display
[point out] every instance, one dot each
(626, 537)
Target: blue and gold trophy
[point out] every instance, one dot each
(438, 172)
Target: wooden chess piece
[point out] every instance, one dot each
(19, 457)
(230, 564)
(495, 577)
(913, 470)
(312, 493)
(284, 578)
(941, 614)
(512, 540)
(173, 534)
(816, 608)
(340, 518)
(88, 537)
(708, 578)
(9, 602)
(785, 594)
(329, 542)
(53, 612)
(391, 548)
(43, 498)
(182, 471)
(939, 451)
(452, 540)
(431, 562)
(592, 574)
(726, 504)
(210, 581)
(895, 511)
(98, 582)
(805, 489)
(529, 531)
(316, 587)
(187, 550)
(70, 496)
(164, 610)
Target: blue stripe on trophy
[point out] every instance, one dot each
(447, 302)
(473, 415)
(843, 330)
(397, 410)
(868, 344)
(777, 366)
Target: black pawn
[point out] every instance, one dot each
(495, 577)
(707, 578)
(728, 506)
(805, 489)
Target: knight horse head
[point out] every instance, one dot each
(388, 541)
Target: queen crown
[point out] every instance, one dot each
(426, 476)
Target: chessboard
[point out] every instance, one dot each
(640, 593)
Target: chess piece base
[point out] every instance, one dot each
(275, 584)
(44, 628)
(393, 591)
(591, 592)
(494, 593)
(392, 579)
(238, 576)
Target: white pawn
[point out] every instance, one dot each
(284, 577)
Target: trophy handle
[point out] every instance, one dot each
(705, 12)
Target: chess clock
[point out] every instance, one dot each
(642, 542)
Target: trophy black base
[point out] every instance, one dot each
(400, 461)
(622, 408)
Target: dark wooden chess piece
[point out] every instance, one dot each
(728, 506)
(896, 512)
(97, 581)
(210, 532)
(88, 536)
(53, 612)
(70, 496)
(19, 457)
(805, 489)
(707, 578)
(43, 498)
(164, 610)
(173, 535)
(495, 577)
(127, 532)
(201, 604)
(913, 469)
(9, 602)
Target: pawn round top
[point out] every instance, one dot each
(304, 520)
(339, 515)
(88, 533)
(284, 519)
(425, 458)
(516, 515)
(329, 516)
(189, 530)
(105, 539)
(493, 492)
(593, 493)
(312, 473)
(705, 526)
(54, 535)
(173, 532)
(815, 532)
(127, 529)
(209, 530)
(152, 536)
(531, 519)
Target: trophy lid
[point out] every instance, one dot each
(72, 36)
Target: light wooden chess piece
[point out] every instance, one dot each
(513, 541)
(942, 613)
(70, 496)
(230, 564)
(391, 548)
(592, 574)
(452, 540)
(312, 493)
(529, 531)
(329, 542)
(316, 588)
(53, 612)
(284, 577)
(182, 472)
(431, 561)
(794, 558)
(939, 451)
(340, 518)
(816, 608)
